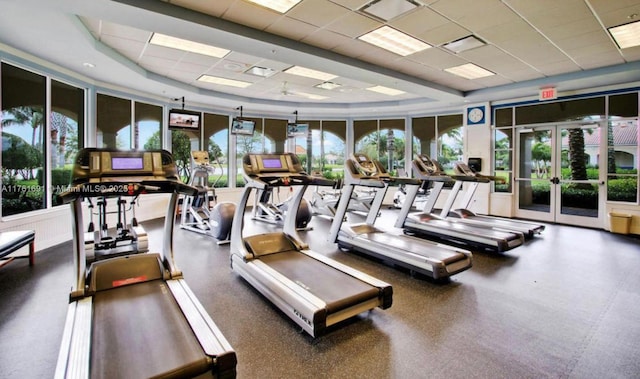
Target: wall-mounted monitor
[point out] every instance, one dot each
(184, 120)
(297, 130)
(242, 126)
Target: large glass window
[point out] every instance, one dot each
(67, 133)
(32, 131)
(147, 127)
(450, 140)
(382, 140)
(334, 137)
(622, 148)
(113, 116)
(502, 156)
(23, 140)
(216, 137)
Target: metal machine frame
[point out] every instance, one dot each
(123, 302)
(436, 260)
(308, 300)
(197, 214)
(430, 225)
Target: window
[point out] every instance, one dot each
(502, 156)
(67, 133)
(450, 140)
(147, 126)
(216, 136)
(113, 116)
(382, 140)
(622, 161)
(23, 140)
(28, 124)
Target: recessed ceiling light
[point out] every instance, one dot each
(394, 40)
(281, 6)
(263, 72)
(463, 44)
(385, 90)
(389, 9)
(186, 45)
(88, 65)
(309, 73)
(328, 85)
(469, 71)
(223, 81)
(627, 35)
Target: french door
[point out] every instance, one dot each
(557, 178)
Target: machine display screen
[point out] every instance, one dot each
(127, 163)
(271, 163)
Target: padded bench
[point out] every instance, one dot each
(11, 241)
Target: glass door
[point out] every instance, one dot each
(558, 178)
(535, 173)
(579, 186)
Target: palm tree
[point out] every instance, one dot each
(25, 116)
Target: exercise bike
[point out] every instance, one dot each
(197, 213)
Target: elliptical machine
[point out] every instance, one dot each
(266, 209)
(197, 214)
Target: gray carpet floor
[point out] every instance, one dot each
(564, 305)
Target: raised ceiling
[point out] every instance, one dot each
(527, 44)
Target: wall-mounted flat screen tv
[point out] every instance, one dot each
(183, 119)
(242, 126)
(297, 130)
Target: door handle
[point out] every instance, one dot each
(555, 180)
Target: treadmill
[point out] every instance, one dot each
(473, 179)
(436, 260)
(428, 224)
(134, 316)
(315, 291)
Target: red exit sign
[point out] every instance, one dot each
(548, 94)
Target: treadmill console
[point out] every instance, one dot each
(364, 164)
(284, 169)
(255, 164)
(108, 172)
(426, 165)
(94, 165)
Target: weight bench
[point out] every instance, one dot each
(11, 241)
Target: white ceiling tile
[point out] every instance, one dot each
(291, 28)
(213, 8)
(352, 4)
(125, 32)
(317, 12)
(353, 48)
(353, 25)
(621, 15)
(326, 39)
(444, 34)
(557, 67)
(163, 52)
(601, 60)
(493, 59)
(437, 58)
(251, 15)
(419, 21)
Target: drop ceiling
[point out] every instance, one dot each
(527, 44)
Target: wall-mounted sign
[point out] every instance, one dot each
(549, 93)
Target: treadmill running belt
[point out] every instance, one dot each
(139, 331)
(337, 289)
(400, 242)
